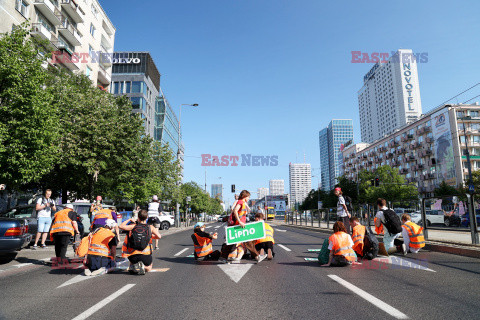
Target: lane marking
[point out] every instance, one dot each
(311, 259)
(217, 227)
(235, 271)
(180, 252)
(283, 247)
(160, 270)
(281, 230)
(22, 265)
(103, 303)
(402, 263)
(367, 296)
(314, 250)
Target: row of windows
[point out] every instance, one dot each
(120, 87)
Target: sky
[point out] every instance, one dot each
(269, 74)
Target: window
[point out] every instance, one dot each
(128, 84)
(138, 103)
(22, 7)
(121, 87)
(88, 72)
(137, 86)
(94, 11)
(116, 86)
(45, 23)
(90, 51)
(92, 29)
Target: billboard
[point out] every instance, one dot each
(443, 148)
(279, 203)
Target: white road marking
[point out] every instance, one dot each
(401, 263)
(280, 230)
(367, 296)
(77, 279)
(283, 247)
(208, 227)
(217, 227)
(103, 303)
(22, 265)
(235, 271)
(180, 252)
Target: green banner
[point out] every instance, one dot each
(252, 231)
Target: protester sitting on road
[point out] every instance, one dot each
(44, 208)
(392, 224)
(64, 226)
(342, 210)
(137, 246)
(265, 245)
(340, 246)
(358, 234)
(100, 219)
(100, 255)
(202, 243)
(412, 234)
(378, 230)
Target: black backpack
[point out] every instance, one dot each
(140, 237)
(348, 203)
(370, 244)
(392, 221)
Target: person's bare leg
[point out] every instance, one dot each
(37, 237)
(269, 254)
(156, 243)
(44, 237)
(251, 247)
(148, 268)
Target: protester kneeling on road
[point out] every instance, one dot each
(412, 234)
(340, 246)
(63, 227)
(137, 246)
(392, 224)
(358, 234)
(265, 245)
(100, 256)
(202, 243)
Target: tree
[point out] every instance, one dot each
(445, 190)
(28, 118)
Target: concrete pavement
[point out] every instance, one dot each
(286, 288)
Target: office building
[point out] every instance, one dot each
(427, 151)
(217, 191)
(390, 96)
(277, 187)
(166, 127)
(332, 140)
(300, 178)
(71, 28)
(262, 192)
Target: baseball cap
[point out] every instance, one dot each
(198, 225)
(110, 223)
(338, 189)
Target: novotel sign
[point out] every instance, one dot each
(371, 72)
(118, 60)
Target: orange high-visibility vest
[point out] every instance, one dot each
(378, 230)
(268, 237)
(237, 251)
(99, 242)
(341, 246)
(62, 223)
(204, 247)
(127, 251)
(417, 240)
(104, 213)
(358, 235)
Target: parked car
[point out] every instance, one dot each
(28, 213)
(14, 235)
(165, 220)
(466, 220)
(83, 209)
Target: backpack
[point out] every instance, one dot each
(231, 219)
(82, 249)
(370, 244)
(348, 203)
(140, 237)
(392, 221)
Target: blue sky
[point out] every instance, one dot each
(269, 74)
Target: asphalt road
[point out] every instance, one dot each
(286, 288)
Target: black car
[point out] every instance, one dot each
(28, 213)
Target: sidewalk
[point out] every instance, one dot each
(454, 242)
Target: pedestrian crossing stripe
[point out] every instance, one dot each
(160, 270)
(311, 259)
(314, 250)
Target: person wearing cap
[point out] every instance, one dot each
(101, 249)
(153, 213)
(342, 210)
(64, 226)
(202, 243)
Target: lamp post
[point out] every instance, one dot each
(177, 220)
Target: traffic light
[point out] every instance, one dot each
(372, 182)
(377, 182)
(233, 188)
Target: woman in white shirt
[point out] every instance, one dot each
(153, 208)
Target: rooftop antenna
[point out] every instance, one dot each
(304, 161)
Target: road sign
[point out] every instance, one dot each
(320, 204)
(471, 188)
(252, 231)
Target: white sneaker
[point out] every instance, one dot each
(87, 272)
(141, 268)
(261, 257)
(98, 271)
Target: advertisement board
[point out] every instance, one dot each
(443, 148)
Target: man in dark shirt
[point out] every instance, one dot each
(205, 238)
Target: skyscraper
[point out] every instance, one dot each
(332, 139)
(277, 187)
(262, 192)
(390, 96)
(217, 191)
(300, 177)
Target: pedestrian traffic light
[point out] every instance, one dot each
(377, 182)
(233, 188)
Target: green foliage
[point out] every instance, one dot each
(201, 201)
(445, 190)
(28, 119)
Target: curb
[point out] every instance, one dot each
(453, 248)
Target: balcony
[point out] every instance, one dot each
(49, 10)
(103, 76)
(404, 171)
(73, 10)
(364, 156)
(432, 162)
(389, 155)
(107, 28)
(409, 136)
(69, 32)
(428, 140)
(65, 57)
(428, 152)
(427, 129)
(430, 176)
(40, 32)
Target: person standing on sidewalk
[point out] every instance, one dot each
(44, 208)
(153, 214)
(342, 210)
(64, 226)
(96, 206)
(392, 224)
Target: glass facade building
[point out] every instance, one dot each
(332, 140)
(217, 191)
